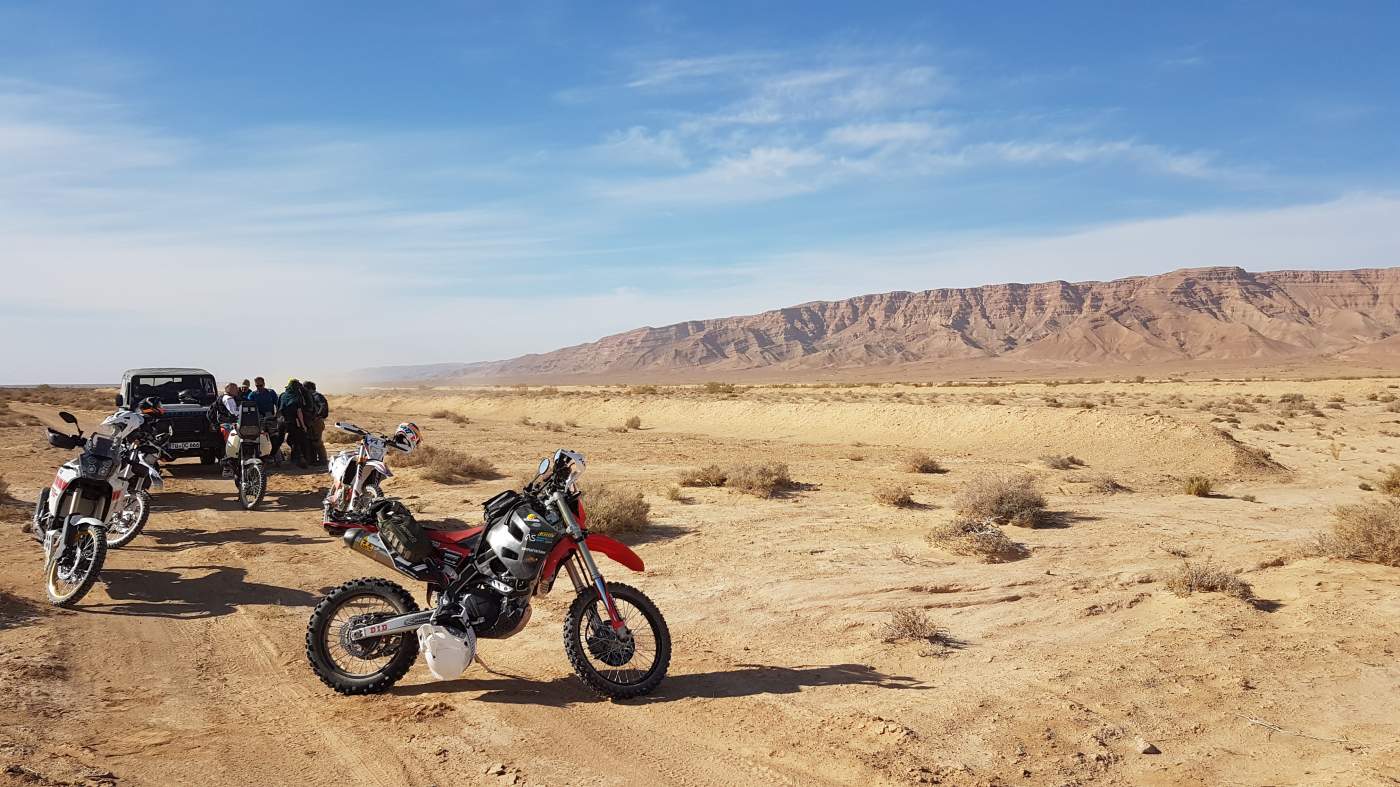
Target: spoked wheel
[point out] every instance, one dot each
(127, 519)
(617, 665)
(252, 485)
(69, 574)
(368, 666)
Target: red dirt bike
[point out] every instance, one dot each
(361, 637)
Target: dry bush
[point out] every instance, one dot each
(1004, 500)
(1365, 487)
(910, 625)
(1390, 482)
(920, 462)
(571, 423)
(643, 390)
(855, 456)
(674, 493)
(448, 465)
(1106, 485)
(616, 509)
(4, 487)
(1368, 531)
(9, 417)
(1264, 426)
(718, 388)
(73, 398)
(981, 538)
(448, 415)
(634, 422)
(1057, 462)
(896, 495)
(709, 475)
(1198, 485)
(524, 420)
(1334, 406)
(765, 480)
(620, 429)
(551, 426)
(1051, 401)
(1292, 398)
(1207, 578)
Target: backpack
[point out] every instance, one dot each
(400, 532)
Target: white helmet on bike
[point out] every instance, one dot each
(408, 436)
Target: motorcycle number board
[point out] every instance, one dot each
(182, 446)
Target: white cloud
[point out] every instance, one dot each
(759, 174)
(863, 136)
(638, 146)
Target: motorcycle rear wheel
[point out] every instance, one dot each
(119, 535)
(251, 486)
(333, 657)
(605, 662)
(70, 575)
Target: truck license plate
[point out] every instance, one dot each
(183, 446)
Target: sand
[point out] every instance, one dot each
(186, 664)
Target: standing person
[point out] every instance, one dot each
(316, 417)
(266, 400)
(243, 390)
(293, 420)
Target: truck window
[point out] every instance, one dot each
(168, 389)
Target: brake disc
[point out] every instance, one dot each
(607, 646)
(373, 648)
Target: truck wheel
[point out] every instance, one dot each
(207, 459)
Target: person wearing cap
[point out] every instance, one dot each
(315, 417)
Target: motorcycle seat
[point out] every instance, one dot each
(459, 536)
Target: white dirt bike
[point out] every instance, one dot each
(356, 475)
(138, 471)
(245, 443)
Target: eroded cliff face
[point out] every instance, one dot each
(1209, 314)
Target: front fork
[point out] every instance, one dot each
(582, 561)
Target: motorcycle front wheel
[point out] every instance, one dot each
(368, 666)
(70, 574)
(126, 522)
(617, 666)
(252, 485)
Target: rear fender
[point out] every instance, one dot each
(566, 547)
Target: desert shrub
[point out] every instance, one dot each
(1207, 578)
(1368, 531)
(616, 509)
(1106, 485)
(1334, 406)
(643, 390)
(910, 625)
(718, 388)
(709, 475)
(855, 456)
(449, 415)
(447, 465)
(981, 538)
(1365, 487)
(72, 398)
(524, 420)
(920, 462)
(764, 480)
(1056, 462)
(1198, 485)
(1336, 398)
(571, 423)
(633, 422)
(893, 495)
(619, 428)
(673, 492)
(1264, 426)
(1292, 398)
(1390, 482)
(9, 417)
(1004, 500)
(1051, 401)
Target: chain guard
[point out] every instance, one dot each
(375, 648)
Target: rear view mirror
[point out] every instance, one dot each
(119, 400)
(544, 467)
(69, 417)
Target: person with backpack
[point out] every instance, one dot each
(316, 414)
(291, 406)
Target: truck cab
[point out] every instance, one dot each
(186, 394)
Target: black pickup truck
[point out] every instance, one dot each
(186, 395)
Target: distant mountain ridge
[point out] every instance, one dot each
(1222, 314)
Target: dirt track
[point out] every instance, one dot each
(186, 665)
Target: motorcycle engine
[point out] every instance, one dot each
(494, 616)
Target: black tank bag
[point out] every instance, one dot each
(400, 531)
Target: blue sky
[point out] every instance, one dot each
(239, 183)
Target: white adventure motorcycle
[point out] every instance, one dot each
(70, 515)
(245, 443)
(356, 475)
(138, 469)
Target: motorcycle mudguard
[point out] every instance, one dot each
(70, 525)
(152, 472)
(253, 461)
(596, 543)
(380, 468)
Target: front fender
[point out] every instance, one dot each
(253, 461)
(379, 467)
(611, 547)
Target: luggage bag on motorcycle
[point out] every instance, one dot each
(400, 531)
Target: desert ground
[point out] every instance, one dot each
(1075, 660)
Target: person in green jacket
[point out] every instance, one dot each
(289, 404)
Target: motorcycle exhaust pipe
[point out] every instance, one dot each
(372, 546)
